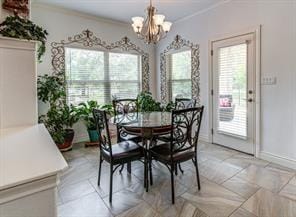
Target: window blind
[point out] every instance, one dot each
(101, 76)
(180, 75)
(232, 110)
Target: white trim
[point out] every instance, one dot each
(27, 189)
(202, 11)
(283, 161)
(75, 13)
(18, 44)
(204, 138)
(252, 30)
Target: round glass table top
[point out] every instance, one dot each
(143, 119)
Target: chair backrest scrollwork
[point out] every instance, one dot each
(184, 103)
(102, 126)
(185, 129)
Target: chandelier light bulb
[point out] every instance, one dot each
(138, 21)
(166, 26)
(158, 19)
(137, 29)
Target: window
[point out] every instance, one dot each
(232, 66)
(180, 75)
(98, 75)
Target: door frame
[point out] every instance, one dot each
(257, 113)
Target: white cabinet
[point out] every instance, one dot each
(29, 166)
(18, 92)
(29, 159)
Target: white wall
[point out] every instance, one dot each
(61, 24)
(3, 13)
(278, 20)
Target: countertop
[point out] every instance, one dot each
(26, 154)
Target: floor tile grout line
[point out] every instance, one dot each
(285, 185)
(93, 165)
(244, 203)
(109, 208)
(78, 198)
(231, 176)
(107, 193)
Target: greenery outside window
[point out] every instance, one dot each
(101, 75)
(179, 78)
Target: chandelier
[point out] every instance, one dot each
(153, 28)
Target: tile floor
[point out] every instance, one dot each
(232, 184)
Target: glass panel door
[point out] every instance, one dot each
(233, 64)
(232, 109)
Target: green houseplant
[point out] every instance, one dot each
(17, 27)
(146, 103)
(60, 117)
(85, 112)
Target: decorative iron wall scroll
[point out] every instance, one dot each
(177, 44)
(87, 39)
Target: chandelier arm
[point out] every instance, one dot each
(150, 32)
(141, 36)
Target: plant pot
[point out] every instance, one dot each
(93, 135)
(67, 145)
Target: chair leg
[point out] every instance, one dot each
(150, 170)
(129, 167)
(173, 183)
(121, 169)
(180, 168)
(197, 173)
(111, 183)
(146, 182)
(99, 173)
(176, 170)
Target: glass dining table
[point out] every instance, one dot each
(147, 125)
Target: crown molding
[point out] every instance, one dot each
(202, 11)
(115, 22)
(76, 13)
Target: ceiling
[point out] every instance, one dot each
(123, 10)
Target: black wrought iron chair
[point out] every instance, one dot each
(125, 107)
(183, 103)
(180, 103)
(183, 143)
(116, 155)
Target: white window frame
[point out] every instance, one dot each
(108, 97)
(170, 80)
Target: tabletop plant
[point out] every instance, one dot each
(18, 27)
(146, 103)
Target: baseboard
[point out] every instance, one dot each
(283, 161)
(204, 138)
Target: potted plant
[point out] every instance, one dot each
(69, 118)
(85, 112)
(60, 117)
(17, 27)
(146, 103)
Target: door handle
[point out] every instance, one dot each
(250, 100)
